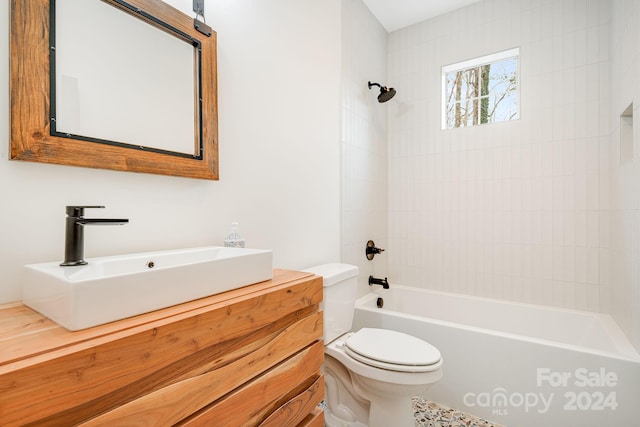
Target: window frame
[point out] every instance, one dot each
(476, 63)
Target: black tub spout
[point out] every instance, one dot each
(382, 282)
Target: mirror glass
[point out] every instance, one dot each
(135, 86)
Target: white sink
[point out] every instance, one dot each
(115, 287)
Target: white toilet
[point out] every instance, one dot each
(371, 374)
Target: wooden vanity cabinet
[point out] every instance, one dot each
(247, 357)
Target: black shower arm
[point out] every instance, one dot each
(374, 84)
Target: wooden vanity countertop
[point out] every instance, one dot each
(25, 333)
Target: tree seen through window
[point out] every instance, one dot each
(485, 93)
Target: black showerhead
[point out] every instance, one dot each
(386, 93)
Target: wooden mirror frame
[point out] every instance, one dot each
(31, 138)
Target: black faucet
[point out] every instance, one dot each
(74, 233)
(381, 282)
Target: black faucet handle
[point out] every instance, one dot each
(371, 250)
(78, 211)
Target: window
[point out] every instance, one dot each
(481, 90)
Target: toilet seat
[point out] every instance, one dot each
(392, 350)
(337, 349)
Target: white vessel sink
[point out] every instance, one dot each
(115, 287)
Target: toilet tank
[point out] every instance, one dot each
(340, 282)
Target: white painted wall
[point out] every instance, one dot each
(516, 210)
(279, 99)
(363, 141)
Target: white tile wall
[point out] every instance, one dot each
(363, 141)
(516, 210)
(622, 226)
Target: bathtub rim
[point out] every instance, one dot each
(625, 350)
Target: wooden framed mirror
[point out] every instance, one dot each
(36, 134)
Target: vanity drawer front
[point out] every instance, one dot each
(296, 411)
(314, 419)
(285, 352)
(175, 363)
(288, 393)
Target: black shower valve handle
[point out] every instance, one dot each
(371, 250)
(374, 250)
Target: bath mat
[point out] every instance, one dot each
(431, 414)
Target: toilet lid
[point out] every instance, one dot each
(392, 350)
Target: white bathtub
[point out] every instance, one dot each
(517, 364)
